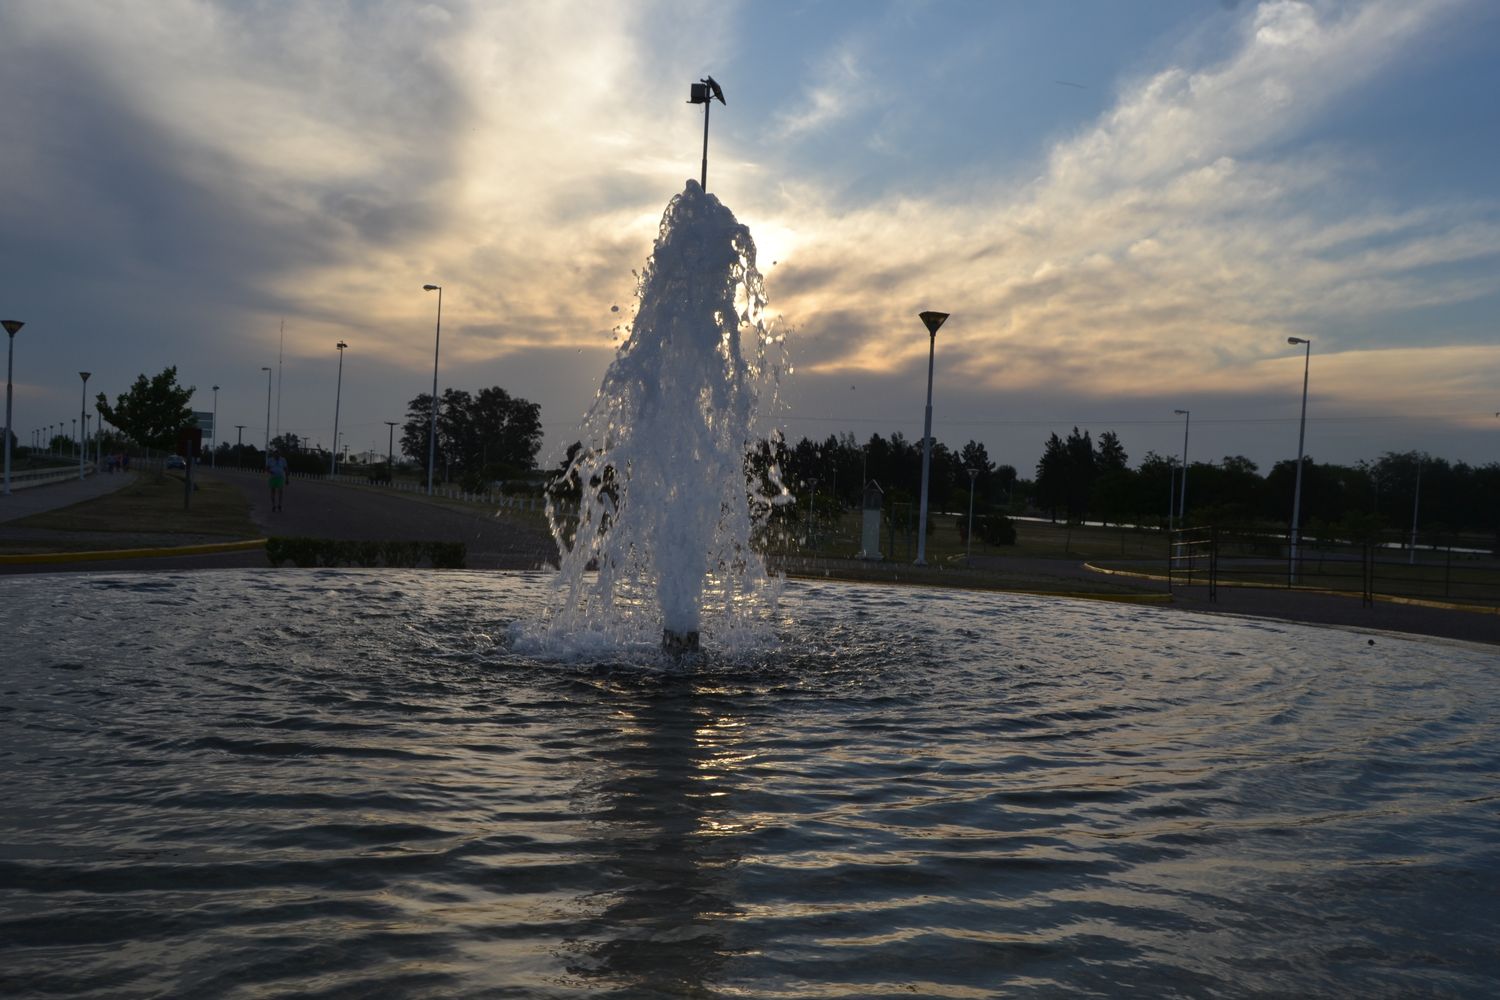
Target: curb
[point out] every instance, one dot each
(1419, 602)
(32, 558)
(1117, 598)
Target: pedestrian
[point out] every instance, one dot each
(276, 468)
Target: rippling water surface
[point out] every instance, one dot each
(351, 784)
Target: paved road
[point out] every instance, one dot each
(333, 511)
(350, 513)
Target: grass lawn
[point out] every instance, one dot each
(1034, 540)
(148, 508)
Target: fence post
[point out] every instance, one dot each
(1213, 564)
(1367, 564)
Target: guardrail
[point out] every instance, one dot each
(41, 477)
(1369, 569)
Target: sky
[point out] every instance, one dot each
(1127, 209)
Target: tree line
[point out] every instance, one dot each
(1078, 477)
(492, 435)
(481, 437)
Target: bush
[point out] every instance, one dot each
(447, 555)
(996, 529)
(405, 554)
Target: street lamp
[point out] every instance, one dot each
(12, 327)
(267, 370)
(1182, 504)
(83, 403)
(969, 538)
(213, 451)
(436, 342)
(390, 451)
(333, 461)
(1301, 438)
(932, 320)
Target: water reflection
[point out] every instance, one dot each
(664, 804)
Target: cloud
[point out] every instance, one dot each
(1173, 243)
(840, 88)
(219, 166)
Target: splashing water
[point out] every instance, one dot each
(668, 506)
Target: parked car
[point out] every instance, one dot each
(176, 462)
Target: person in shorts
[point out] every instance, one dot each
(277, 471)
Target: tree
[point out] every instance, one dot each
(1109, 454)
(1080, 473)
(488, 436)
(1052, 476)
(152, 411)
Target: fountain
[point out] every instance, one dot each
(369, 782)
(661, 534)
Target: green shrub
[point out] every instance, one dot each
(996, 529)
(447, 555)
(365, 553)
(308, 552)
(404, 554)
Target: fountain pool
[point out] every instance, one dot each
(359, 783)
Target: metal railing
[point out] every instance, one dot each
(1448, 573)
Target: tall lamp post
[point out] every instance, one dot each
(1187, 418)
(436, 342)
(1301, 439)
(213, 451)
(83, 421)
(969, 538)
(932, 320)
(1416, 499)
(333, 462)
(267, 370)
(390, 451)
(12, 327)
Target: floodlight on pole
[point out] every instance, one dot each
(12, 327)
(969, 537)
(333, 461)
(705, 92)
(1301, 439)
(1416, 499)
(267, 370)
(213, 450)
(83, 405)
(932, 320)
(437, 340)
(1187, 418)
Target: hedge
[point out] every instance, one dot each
(306, 552)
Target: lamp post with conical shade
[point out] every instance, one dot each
(12, 327)
(333, 462)
(1301, 439)
(83, 405)
(437, 340)
(932, 320)
(390, 451)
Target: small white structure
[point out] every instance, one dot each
(870, 539)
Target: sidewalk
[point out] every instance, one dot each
(51, 496)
